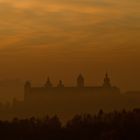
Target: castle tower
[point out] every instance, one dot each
(80, 81)
(60, 84)
(27, 88)
(106, 83)
(48, 84)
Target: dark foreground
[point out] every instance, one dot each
(103, 126)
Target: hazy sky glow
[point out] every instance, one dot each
(89, 36)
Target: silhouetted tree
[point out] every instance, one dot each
(103, 126)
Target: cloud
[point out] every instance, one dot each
(59, 23)
(39, 36)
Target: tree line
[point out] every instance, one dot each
(122, 125)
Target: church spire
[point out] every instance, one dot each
(80, 81)
(107, 81)
(60, 84)
(48, 84)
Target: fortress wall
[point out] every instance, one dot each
(78, 102)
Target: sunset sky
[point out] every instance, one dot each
(62, 38)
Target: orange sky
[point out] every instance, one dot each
(62, 38)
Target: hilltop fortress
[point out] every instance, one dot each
(62, 100)
(68, 101)
(48, 89)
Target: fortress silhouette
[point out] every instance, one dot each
(39, 93)
(66, 101)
